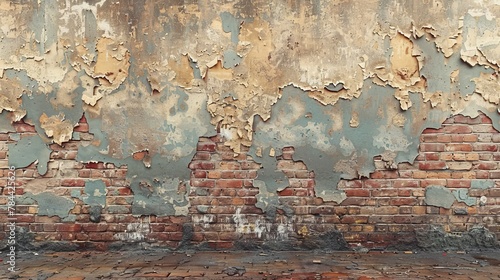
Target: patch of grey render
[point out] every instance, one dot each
(95, 193)
(436, 239)
(462, 195)
(50, 204)
(439, 196)
(231, 59)
(28, 150)
(437, 70)
(482, 184)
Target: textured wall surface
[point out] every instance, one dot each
(247, 124)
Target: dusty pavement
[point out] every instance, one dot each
(253, 265)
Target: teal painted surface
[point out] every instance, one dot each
(439, 196)
(28, 150)
(50, 204)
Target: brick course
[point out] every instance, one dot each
(386, 208)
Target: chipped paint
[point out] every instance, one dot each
(340, 85)
(462, 195)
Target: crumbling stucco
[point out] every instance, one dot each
(341, 81)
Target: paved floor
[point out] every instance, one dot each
(253, 265)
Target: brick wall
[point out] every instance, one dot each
(386, 209)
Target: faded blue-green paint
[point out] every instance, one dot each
(439, 196)
(231, 59)
(196, 70)
(437, 70)
(231, 24)
(28, 150)
(270, 181)
(5, 125)
(462, 195)
(482, 184)
(50, 204)
(95, 193)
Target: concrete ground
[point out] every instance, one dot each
(253, 265)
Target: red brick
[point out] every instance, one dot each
(466, 147)
(229, 183)
(406, 184)
(228, 175)
(430, 130)
(403, 201)
(433, 165)
(495, 175)
(457, 129)
(349, 219)
(485, 147)
(384, 175)
(199, 174)
(458, 183)
(69, 227)
(25, 218)
(384, 192)
(206, 146)
(82, 127)
(405, 192)
(432, 156)
(203, 165)
(470, 138)
(95, 227)
(101, 236)
(286, 192)
(23, 127)
(484, 128)
(202, 183)
(486, 165)
(377, 183)
(357, 192)
(432, 147)
(94, 165)
(202, 156)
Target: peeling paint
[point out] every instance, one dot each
(462, 195)
(151, 79)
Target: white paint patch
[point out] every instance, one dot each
(203, 220)
(134, 232)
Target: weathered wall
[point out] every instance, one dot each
(194, 122)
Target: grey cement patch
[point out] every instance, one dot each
(439, 196)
